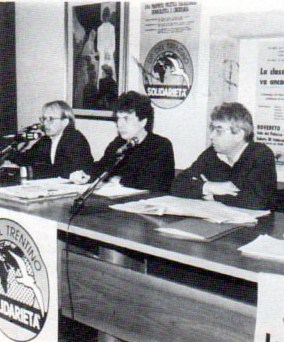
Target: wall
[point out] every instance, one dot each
(41, 73)
(40, 57)
(8, 105)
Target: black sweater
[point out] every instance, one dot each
(149, 165)
(254, 174)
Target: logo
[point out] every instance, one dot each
(24, 286)
(168, 73)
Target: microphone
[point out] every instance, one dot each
(27, 133)
(23, 136)
(130, 144)
(33, 127)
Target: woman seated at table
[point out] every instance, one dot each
(148, 161)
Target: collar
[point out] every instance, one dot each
(237, 156)
(56, 138)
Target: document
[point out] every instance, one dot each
(36, 190)
(116, 190)
(213, 211)
(265, 247)
(197, 229)
(51, 188)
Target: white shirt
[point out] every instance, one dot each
(225, 159)
(54, 143)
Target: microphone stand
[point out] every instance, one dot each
(80, 200)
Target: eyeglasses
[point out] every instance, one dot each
(49, 119)
(126, 118)
(220, 130)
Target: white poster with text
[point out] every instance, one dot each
(269, 119)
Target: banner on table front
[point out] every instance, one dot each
(270, 308)
(28, 278)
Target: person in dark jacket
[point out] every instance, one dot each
(233, 170)
(62, 150)
(149, 163)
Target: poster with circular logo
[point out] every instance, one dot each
(168, 73)
(24, 286)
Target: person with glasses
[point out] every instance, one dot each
(61, 150)
(234, 170)
(148, 163)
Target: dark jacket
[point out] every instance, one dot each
(73, 153)
(254, 174)
(149, 165)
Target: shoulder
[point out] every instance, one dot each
(259, 149)
(208, 154)
(158, 145)
(73, 135)
(155, 139)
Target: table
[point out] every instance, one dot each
(182, 291)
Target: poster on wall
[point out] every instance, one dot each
(169, 51)
(96, 49)
(269, 119)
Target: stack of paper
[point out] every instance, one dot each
(39, 190)
(210, 210)
(50, 188)
(265, 247)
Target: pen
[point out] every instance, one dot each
(203, 177)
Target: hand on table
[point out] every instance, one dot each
(79, 177)
(220, 188)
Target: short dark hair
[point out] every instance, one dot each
(237, 115)
(131, 102)
(63, 107)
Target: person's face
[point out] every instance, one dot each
(224, 138)
(129, 126)
(53, 123)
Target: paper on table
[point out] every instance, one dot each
(116, 190)
(211, 210)
(38, 189)
(265, 247)
(56, 187)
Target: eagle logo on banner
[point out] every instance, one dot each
(24, 287)
(167, 73)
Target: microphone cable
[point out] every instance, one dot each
(78, 205)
